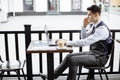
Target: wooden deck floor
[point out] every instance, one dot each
(83, 77)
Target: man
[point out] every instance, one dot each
(94, 33)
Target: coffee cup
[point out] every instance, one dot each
(61, 44)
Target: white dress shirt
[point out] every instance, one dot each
(101, 33)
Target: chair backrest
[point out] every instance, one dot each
(110, 60)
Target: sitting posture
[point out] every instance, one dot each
(94, 33)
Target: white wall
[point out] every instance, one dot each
(10, 4)
(40, 5)
(65, 5)
(18, 5)
(4, 11)
(86, 3)
(0, 4)
(15, 5)
(4, 5)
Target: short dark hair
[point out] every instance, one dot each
(94, 9)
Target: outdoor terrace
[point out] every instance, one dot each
(19, 50)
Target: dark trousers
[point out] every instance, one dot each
(72, 61)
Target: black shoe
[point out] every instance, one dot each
(43, 76)
(90, 79)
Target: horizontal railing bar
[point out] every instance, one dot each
(51, 31)
(11, 32)
(54, 31)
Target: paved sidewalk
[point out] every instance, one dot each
(72, 22)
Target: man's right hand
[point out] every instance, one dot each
(85, 22)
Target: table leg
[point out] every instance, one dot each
(29, 67)
(50, 66)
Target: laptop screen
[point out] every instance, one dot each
(46, 33)
(50, 42)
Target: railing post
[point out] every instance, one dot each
(27, 34)
(111, 67)
(28, 56)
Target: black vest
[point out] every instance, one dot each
(102, 47)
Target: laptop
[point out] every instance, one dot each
(50, 42)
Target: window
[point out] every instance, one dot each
(76, 5)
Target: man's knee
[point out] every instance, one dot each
(72, 60)
(68, 56)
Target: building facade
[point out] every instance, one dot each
(48, 6)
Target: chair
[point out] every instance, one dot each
(103, 68)
(8, 66)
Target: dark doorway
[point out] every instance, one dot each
(28, 5)
(53, 6)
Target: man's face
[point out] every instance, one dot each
(92, 17)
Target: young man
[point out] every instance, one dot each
(97, 36)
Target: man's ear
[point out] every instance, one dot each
(96, 14)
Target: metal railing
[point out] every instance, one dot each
(8, 37)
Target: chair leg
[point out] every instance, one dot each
(106, 74)
(78, 76)
(79, 72)
(17, 72)
(100, 74)
(43, 78)
(2, 73)
(23, 74)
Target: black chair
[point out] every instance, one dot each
(8, 66)
(102, 68)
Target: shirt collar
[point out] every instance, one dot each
(96, 23)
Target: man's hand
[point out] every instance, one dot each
(85, 22)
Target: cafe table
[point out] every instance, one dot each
(41, 47)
